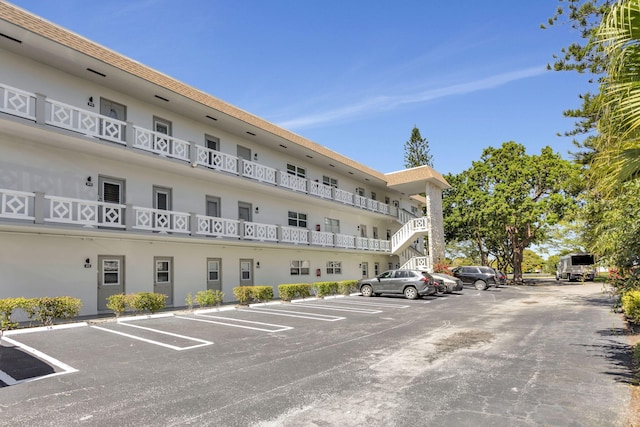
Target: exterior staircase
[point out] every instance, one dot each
(411, 255)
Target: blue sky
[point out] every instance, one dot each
(357, 75)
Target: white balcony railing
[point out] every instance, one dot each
(216, 160)
(17, 102)
(362, 243)
(160, 220)
(217, 227)
(16, 204)
(85, 122)
(360, 201)
(261, 232)
(84, 212)
(258, 172)
(321, 238)
(320, 190)
(161, 144)
(345, 241)
(293, 182)
(343, 196)
(295, 235)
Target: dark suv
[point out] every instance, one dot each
(480, 277)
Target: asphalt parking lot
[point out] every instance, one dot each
(533, 355)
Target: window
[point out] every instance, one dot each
(360, 191)
(386, 200)
(363, 230)
(375, 232)
(296, 170)
(113, 109)
(373, 196)
(213, 206)
(334, 267)
(297, 219)
(213, 269)
(111, 271)
(211, 142)
(376, 268)
(332, 225)
(390, 266)
(245, 270)
(162, 126)
(332, 182)
(162, 198)
(299, 268)
(163, 272)
(111, 190)
(414, 210)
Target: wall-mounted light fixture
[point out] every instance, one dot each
(358, 227)
(257, 210)
(255, 156)
(89, 182)
(90, 103)
(87, 263)
(258, 264)
(359, 265)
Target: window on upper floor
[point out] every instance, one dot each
(296, 170)
(213, 206)
(113, 109)
(244, 153)
(375, 232)
(360, 191)
(414, 210)
(161, 125)
(334, 267)
(212, 142)
(373, 196)
(111, 190)
(386, 200)
(297, 219)
(332, 225)
(332, 182)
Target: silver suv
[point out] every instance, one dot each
(411, 283)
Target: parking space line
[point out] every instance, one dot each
(372, 304)
(298, 314)
(280, 327)
(66, 369)
(173, 347)
(348, 309)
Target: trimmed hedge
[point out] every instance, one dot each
(346, 287)
(289, 291)
(631, 306)
(45, 309)
(322, 289)
(119, 303)
(247, 294)
(209, 298)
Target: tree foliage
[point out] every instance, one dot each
(508, 200)
(416, 151)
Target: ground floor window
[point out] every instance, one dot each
(334, 267)
(299, 267)
(376, 268)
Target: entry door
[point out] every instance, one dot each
(246, 272)
(163, 277)
(244, 153)
(365, 269)
(162, 201)
(214, 274)
(110, 278)
(244, 211)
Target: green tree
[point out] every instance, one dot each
(508, 200)
(531, 261)
(416, 151)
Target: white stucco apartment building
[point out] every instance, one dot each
(117, 178)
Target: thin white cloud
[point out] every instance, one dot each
(386, 103)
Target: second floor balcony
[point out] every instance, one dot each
(40, 208)
(44, 110)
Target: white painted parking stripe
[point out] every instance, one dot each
(66, 369)
(280, 327)
(161, 344)
(298, 314)
(369, 304)
(348, 309)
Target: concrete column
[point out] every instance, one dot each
(129, 217)
(38, 208)
(130, 135)
(41, 109)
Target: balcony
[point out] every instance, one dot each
(39, 208)
(42, 109)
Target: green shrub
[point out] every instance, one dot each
(7, 307)
(189, 301)
(209, 298)
(243, 294)
(346, 287)
(118, 303)
(262, 293)
(147, 301)
(322, 289)
(47, 309)
(631, 306)
(289, 291)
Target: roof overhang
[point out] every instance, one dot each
(414, 181)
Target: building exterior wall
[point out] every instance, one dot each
(50, 172)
